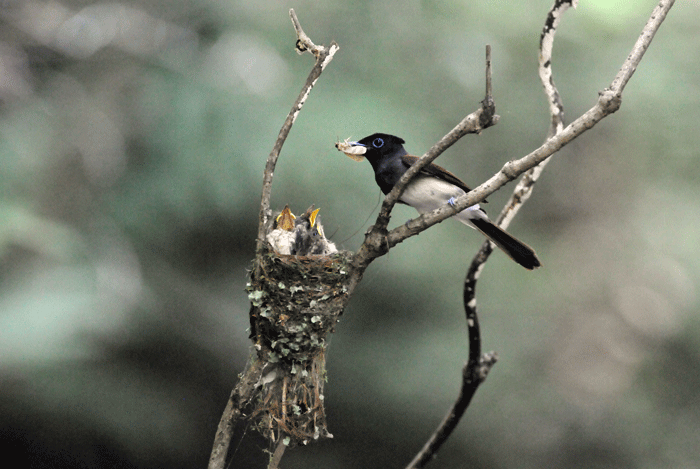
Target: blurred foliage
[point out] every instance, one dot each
(133, 138)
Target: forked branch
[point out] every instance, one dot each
(479, 365)
(608, 102)
(323, 57)
(251, 380)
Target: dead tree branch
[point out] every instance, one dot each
(258, 374)
(284, 376)
(323, 57)
(609, 101)
(478, 366)
(376, 241)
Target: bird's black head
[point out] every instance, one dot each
(379, 146)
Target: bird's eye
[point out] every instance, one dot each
(378, 143)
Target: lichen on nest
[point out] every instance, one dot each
(295, 305)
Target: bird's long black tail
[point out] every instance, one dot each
(516, 250)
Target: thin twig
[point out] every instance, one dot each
(640, 47)
(489, 87)
(556, 108)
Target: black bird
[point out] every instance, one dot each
(433, 187)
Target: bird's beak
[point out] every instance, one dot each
(312, 217)
(285, 220)
(318, 226)
(354, 150)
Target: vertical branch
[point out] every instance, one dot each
(276, 457)
(477, 366)
(556, 107)
(250, 379)
(523, 190)
(323, 57)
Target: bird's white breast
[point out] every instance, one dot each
(425, 194)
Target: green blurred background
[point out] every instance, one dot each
(133, 138)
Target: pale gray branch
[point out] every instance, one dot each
(245, 389)
(609, 101)
(323, 56)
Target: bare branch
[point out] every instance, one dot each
(478, 366)
(276, 457)
(474, 123)
(556, 108)
(449, 423)
(250, 379)
(375, 243)
(323, 57)
(609, 101)
(240, 396)
(489, 87)
(640, 47)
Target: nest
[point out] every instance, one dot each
(295, 304)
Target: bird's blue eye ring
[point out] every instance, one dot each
(378, 143)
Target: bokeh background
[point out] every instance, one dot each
(133, 137)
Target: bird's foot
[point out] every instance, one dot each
(452, 201)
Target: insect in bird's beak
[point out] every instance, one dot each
(353, 150)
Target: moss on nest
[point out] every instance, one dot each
(295, 304)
